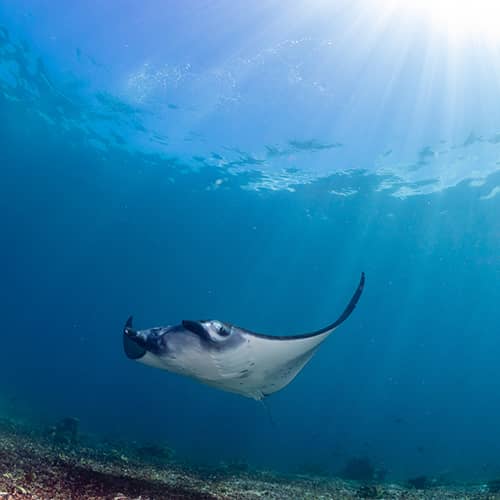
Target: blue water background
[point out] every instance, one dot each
(258, 201)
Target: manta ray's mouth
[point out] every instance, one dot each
(133, 345)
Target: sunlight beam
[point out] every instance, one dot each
(462, 20)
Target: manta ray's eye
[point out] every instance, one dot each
(222, 330)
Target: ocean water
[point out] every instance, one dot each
(184, 160)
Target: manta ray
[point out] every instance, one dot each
(226, 356)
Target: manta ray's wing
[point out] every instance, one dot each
(327, 329)
(276, 360)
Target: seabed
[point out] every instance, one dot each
(33, 465)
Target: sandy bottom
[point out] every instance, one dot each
(31, 466)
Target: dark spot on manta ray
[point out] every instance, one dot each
(244, 373)
(228, 357)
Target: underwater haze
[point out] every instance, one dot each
(246, 162)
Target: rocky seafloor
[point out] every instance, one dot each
(48, 465)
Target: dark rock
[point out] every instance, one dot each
(369, 492)
(380, 474)
(494, 486)
(359, 469)
(65, 432)
(420, 482)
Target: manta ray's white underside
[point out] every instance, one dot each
(262, 365)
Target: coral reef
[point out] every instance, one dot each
(33, 466)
